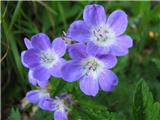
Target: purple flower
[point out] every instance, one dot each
(103, 35)
(55, 105)
(43, 58)
(35, 96)
(92, 70)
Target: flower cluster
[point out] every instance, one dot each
(58, 104)
(97, 39)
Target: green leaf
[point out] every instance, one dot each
(89, 112)
(144, 107)
(14, 115)
(15, 14)
(157, 62)
(88, 109)
(47, 7)
(117, 116)
(41, 114)
(11, 41)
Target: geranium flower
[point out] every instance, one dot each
(35, 96)
(55, 105)
(92, 70)
(103, 35)
(43, 58)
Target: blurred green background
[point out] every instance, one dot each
(24, 19)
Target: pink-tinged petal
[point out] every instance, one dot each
(77, 51)
(42, 75)
(33, 96)
(109, 60)
(89, 86)
(30, 58)
(71, 71)
(94, 14)
(92, 49)
(60, 115)
(79, 31)
(55, 70)
(118, 22)
(28, 43)
(59, 46)
(32, 80)
(122, 43)
(108, 80)
(41, 41)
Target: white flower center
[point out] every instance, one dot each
(102, 35)
(48, 58)
(92, 66)
(58, 104)
(43, 92)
